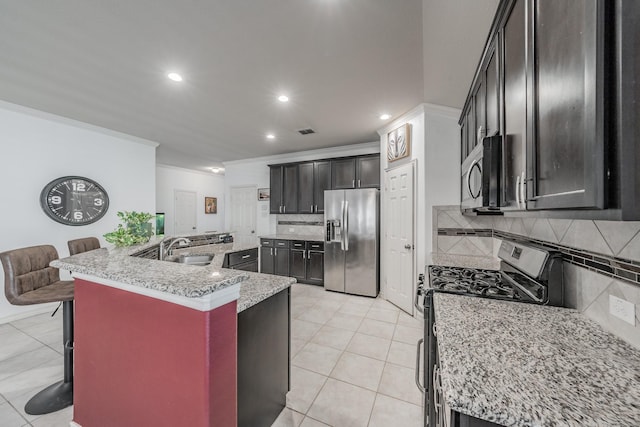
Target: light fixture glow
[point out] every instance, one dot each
(175, 77)
(271, 136)
(385, 116)
(283, 98)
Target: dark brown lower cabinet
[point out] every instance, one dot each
(246, 260)
(263, 360)
(307, 264)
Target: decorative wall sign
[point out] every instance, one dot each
(74, 200)
(264, 194)
(399, 143)
(210, 205)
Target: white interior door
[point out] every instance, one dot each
(399, 236)
(185, 209)
(244, 204)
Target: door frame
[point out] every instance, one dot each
(175, 210)
(383, 232)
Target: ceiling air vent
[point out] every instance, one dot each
(307, 131)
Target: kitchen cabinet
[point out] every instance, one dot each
(246, 260)
(283, 182)
(307, 261)
(313, 179)
(274, 257)
(560, 76)
(356, 172)
(263, 360)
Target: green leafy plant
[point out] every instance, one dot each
(135, 228)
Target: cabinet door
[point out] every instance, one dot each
(297, 267)
(565, 154)
(315, 267)
(306, 203)
(368, 172)
(479, 111)
(290, 189)
(267, 265)
(275, 185)
(321, 182)
(515, 104)
(343, 174)
(492, 96)
(281, 261)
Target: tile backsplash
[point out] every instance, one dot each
(602, 258)
(302, 224)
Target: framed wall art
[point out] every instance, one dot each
(399, 143)
(264, 194)
(210, 205)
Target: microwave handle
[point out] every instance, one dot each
(469, 178)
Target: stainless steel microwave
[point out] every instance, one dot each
(480, 177)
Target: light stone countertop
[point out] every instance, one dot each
(258, 287)
(308, 237)
(466, 261)
(184, 280)
(520, 364)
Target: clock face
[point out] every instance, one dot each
(74, 200)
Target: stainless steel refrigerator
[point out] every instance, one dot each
(351, 250)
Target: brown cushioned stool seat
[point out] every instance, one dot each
(83, 245)
(28, 279)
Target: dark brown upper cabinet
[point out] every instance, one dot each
(356, 172)
(283, 181)
(562, 77)
(313, 179)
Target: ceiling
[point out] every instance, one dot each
(341, 62)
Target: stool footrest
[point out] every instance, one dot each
(53, 398)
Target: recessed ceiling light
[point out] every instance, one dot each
(385, 116)
(283, 98)
(175, 77)
(216, 170)
(271, 136)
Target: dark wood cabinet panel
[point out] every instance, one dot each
(492, 99)
(267, 260)
(343, 173)
(263, 360)
(565, 158)
(368, 172)
(248, 266)
(290, 189)
(306, 202)
(281, 261)
(315, 267)
(275, 184)
(297, 260)
(321, 182)
(515, 104)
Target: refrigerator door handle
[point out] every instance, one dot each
(346, 226)
(343, 231)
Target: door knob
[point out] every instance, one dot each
(407, 246)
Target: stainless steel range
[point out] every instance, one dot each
(529, 274)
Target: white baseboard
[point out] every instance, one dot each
(37, 309)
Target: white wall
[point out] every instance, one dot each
(170, 178)
(255, 172)
(37, 148)
(435, 149)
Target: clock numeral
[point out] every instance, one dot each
(97, 202)
(56, 200)
(77, 215)
(78, 186)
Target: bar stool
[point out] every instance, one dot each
(83, 245)
(28, 279)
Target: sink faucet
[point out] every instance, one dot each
(170, 246)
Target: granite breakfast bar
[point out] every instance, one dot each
(160, 343)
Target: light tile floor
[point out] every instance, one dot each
(352, 364)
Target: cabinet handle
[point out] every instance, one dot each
(245, 256)
(523, 191)
(284, 209)
(311, 208)
(271, 251)
(353, 183)
(316, 208)
(359, 184)
(280, 210)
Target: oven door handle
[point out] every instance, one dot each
(418, 354)
(416, 305)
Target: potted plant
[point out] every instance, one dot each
(135, 228)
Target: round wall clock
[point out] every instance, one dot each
(74, 200)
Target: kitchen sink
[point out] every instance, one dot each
(194, 259)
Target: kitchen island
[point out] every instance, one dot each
(521, 364)
(156, 341)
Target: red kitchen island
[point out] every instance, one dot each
(156, 343)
